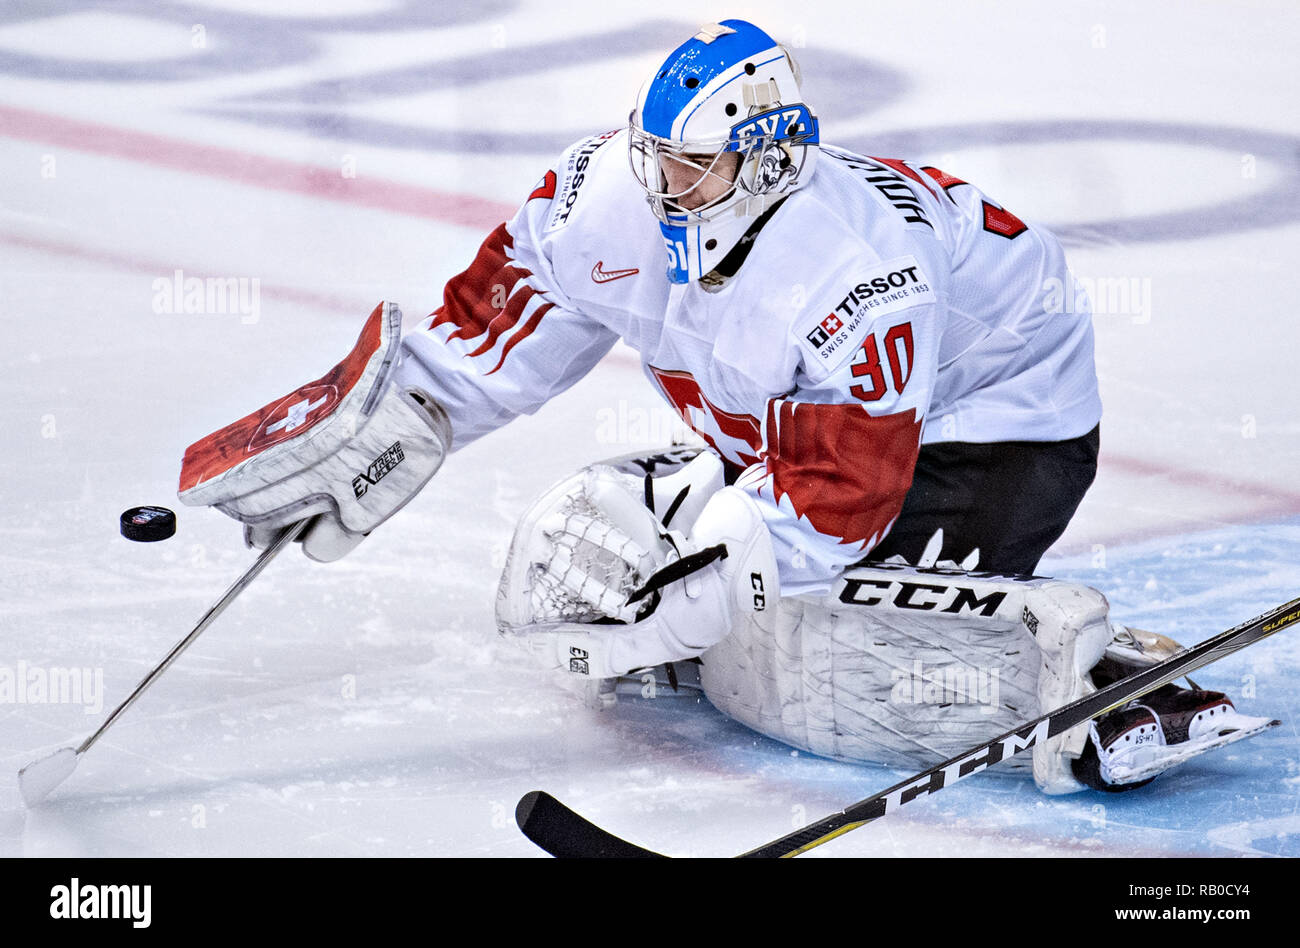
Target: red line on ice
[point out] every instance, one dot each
(158, 269)
(1248, 503)
(1272, 499)
(252, 169)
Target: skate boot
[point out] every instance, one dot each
(1133, 744)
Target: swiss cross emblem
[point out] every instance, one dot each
(293, 414)
(297, 415)
(832, 323)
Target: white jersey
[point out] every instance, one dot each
(880, 307)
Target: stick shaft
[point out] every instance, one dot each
(287, 536)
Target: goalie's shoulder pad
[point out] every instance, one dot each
(299, 430)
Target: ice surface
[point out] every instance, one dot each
(362, 151)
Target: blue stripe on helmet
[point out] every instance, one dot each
(668, 94)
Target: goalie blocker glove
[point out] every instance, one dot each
(346, 451)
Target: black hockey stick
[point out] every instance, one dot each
(561, 832)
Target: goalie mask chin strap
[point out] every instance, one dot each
(679, 569)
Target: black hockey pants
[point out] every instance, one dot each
(1011, 499)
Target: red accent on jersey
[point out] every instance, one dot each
(902, 168)
(832, 323)
(997, 220)
(285, 418)
(523, 334)
(545, 188)
(1002, 222)
(945, 180)
(487, 299)
(845, 470)
(468, 297)
(505, 320)
(724, 431)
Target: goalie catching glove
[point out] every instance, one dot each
(598, 585)
(346, 451)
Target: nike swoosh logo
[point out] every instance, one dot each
(604, 276)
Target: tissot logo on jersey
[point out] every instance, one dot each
(895, 285)
(827, 328)
(829, 336)
(891, 287)
(575, 175)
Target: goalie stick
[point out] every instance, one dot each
(37, 779)
(562, 832)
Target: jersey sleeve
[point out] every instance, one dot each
(506, 338)
(839, 451)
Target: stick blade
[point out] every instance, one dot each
(564, 834)
(37, 779)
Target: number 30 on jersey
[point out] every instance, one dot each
(868, 364)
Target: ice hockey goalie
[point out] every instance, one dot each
(863, 347)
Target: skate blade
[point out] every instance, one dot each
(1159, 759)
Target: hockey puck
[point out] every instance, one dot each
(147, 524)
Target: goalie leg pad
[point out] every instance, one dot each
(896, 666)
(1072, 627)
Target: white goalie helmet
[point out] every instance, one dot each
(718, 136)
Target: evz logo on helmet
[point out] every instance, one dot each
(775, 131)
(781, 123)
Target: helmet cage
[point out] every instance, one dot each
(772, 155)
